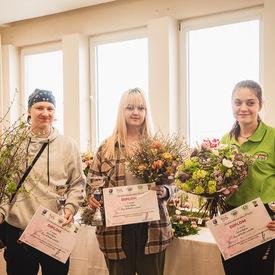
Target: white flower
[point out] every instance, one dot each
(84, 165)
(227, 163)
(222, 146)
(178, 212)
(215, 152)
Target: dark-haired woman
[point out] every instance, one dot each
(251, 135)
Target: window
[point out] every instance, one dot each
(120, 66)
(217, 58)
(45, 71)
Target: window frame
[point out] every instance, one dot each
(206, 22)
(94, 42)
(31, 50)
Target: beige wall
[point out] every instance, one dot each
(113, 16)
(160, 18)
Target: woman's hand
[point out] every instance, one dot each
(68, 216)
(94, 204)
(271, 225)
(230, 190)
(162, 192)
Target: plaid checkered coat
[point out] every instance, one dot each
(109, 238)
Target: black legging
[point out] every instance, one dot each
(23, 259)
(252, 262)
(258, 260)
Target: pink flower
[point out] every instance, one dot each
(177, 201)
(184, 218)
(212, 144)
(175, 164)
(186, 205)
(193, 224)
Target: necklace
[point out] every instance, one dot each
(246, 137)
(251, 134)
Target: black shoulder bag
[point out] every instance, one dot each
(3, 225)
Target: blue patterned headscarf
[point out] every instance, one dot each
(41, 95)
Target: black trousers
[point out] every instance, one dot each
(252, 262)
(256, 261)
(24, 260)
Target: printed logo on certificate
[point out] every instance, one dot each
(130, 204)
(46, 233)
(241, 229)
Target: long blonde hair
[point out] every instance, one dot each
(118, 138)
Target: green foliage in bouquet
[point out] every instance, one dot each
(86, 162)
(155, 158)
(183, 224)
(213, 170)
(87, 159)
(12, 156)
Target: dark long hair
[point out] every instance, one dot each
(257, 90)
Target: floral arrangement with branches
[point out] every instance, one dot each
(213, 170)
(156, 158)
(13, 138)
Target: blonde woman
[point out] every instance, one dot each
(136, 248)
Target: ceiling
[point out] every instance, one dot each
(16, 10)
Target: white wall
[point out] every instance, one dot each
(161, 20)
(269, 62)
(76, 86)
(11, 82)
(1, 83)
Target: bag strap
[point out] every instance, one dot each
(28, 170)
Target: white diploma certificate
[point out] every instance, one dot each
(45, 233)
(241, 228)
(130, 204)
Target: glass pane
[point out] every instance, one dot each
(120, 66)
(45, 71)
(219, 57)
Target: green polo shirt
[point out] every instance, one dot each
(261, 176)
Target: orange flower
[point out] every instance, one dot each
(157, 164)
(141, 167)
(157, 144)
(169, 170)
(167, 156)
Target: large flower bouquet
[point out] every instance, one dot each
(156, 158)
(213, 171)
